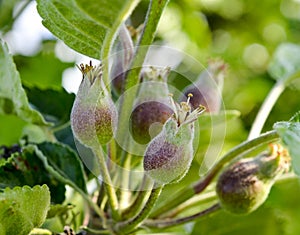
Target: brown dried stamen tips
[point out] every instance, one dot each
(182, 111)
(90, 71)
(86, 68)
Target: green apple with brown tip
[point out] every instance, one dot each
(245, 185)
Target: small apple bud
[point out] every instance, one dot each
(93, 116)
(208, 87)
(121, 60)
(169, 155)
(245, 185)
(152, 107)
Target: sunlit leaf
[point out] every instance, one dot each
(22, 209)
(40, 231)
(290, 135)
(8, 137)
(82, 24)
(13, 99)
(285, 61)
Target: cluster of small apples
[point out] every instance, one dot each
(169, 150)
(241, 187)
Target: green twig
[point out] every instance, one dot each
(194, 202)
(101, 192)
(61, 127)
(166, 223)
(128, 226)
(154, 13)
(94, 231)
(190, 191)
(265, 138)
(125, 181)
(109, 189)
(176, 200)
(112, 150)
(266, 108)
(269, 103)
(139, 200)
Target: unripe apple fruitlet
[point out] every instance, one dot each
(152, 107)
(245, 185)
(93, 116)
(123, 55)
(169, 155)
(208, 87)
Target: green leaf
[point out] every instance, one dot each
(207, 120)
(43, 70)
(83, 25)
(64, 161)
(8, 154)
(55, 105)
(6, 14)
(40, 231)
(8, 123)
(22, 209)
(59, 210)
(13, 98)
(296, 117)
(104, 15)
(66, 21)
(65, 136)
(26, 168)
(285, 62)
(290, 135)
